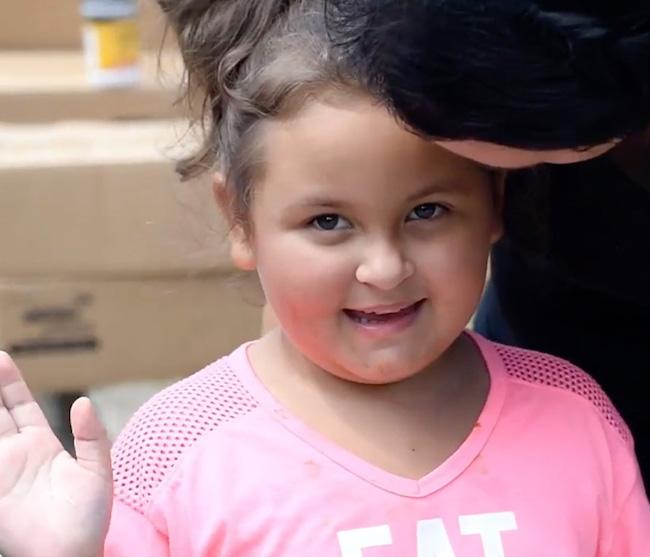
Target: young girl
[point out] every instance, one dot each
(369, 423)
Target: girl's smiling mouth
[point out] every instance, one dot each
(387, 318)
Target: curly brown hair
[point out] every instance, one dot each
(248, 61)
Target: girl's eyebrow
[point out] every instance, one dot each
(442, 186)
(319, 201)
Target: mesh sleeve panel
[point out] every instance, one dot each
(171, 422)
(544, 369)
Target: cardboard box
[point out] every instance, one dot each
(40, 24)
(75, 334)
(52, 24)
(49, 86)
(103, 200)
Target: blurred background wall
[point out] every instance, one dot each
(114, 275)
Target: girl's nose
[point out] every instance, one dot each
(384, 266)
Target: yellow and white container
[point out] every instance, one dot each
(111, 42)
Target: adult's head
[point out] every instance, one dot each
(506, 82)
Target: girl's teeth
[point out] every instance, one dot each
(368, 319)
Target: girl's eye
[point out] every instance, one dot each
(426, 211)
(330, 222)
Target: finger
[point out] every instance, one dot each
(91, 443)
(7, 424)
(16, 396)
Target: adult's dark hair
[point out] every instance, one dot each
(537, 74)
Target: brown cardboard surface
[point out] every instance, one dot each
(40, 24)
(46, 86)
(102, 199)
(71, 335)
(57, 24)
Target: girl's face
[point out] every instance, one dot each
(371, 244)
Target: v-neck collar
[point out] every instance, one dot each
(442, 475)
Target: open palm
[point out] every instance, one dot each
(50, 503)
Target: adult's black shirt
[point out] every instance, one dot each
(571, 276)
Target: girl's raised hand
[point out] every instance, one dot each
(50, 503)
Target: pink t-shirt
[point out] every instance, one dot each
(214, 466)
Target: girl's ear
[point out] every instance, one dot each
(241, 248)
(499, 194)
(221, 196)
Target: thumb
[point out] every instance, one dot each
(91, 443)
